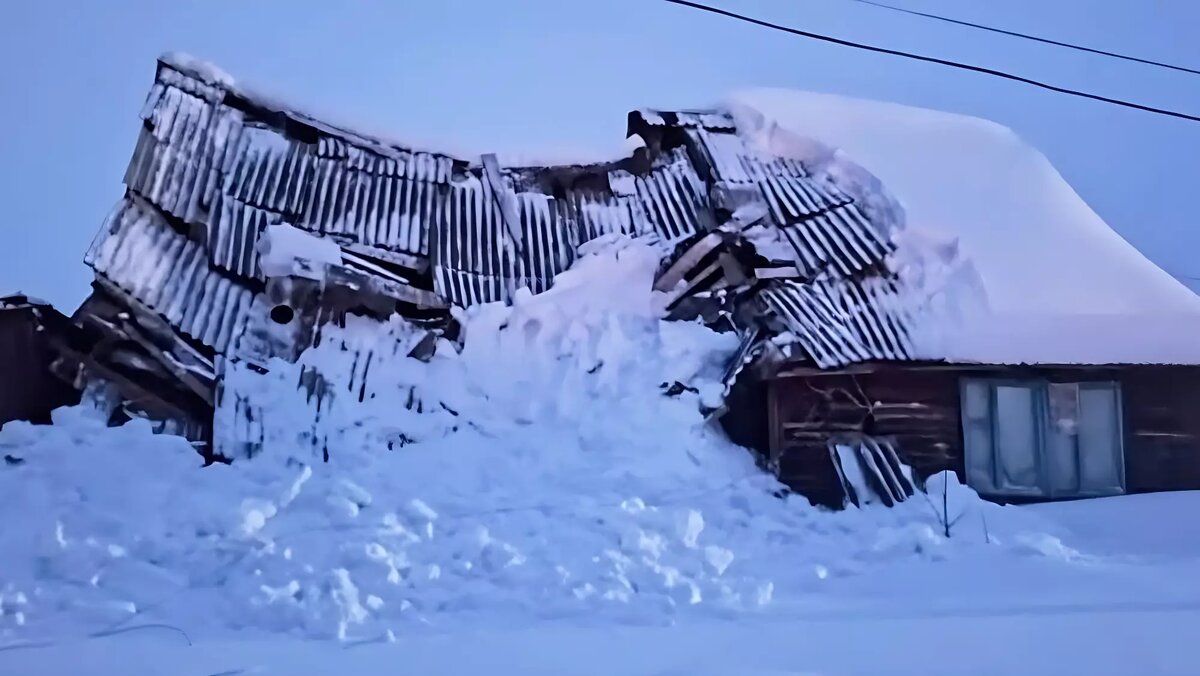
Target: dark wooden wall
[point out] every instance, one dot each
(919, 407)
(28, 390)
(1162, 428)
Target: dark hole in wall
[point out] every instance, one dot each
(282, 314)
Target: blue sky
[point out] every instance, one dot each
(559, 75)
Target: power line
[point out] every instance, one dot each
(931, 59)
(1026, 36)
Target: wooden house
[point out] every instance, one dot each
(845, 354)
(1011, 432)
(1078, 374)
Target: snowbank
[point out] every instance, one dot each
(541, 472)
(1061, 286)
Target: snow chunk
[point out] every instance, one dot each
(285, 250)
(205, 71)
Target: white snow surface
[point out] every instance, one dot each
(1060, 285)
(539, 474)
(285, 250)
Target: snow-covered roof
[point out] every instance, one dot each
(217, 82)
(1061, 286)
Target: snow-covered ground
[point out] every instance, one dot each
(1128, 603)
(537, 503)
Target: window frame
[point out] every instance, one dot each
(1044, 430)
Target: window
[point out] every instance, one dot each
(1040, 439)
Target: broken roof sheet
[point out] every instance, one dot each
(841, 322)
(209, 82)
(143, 256)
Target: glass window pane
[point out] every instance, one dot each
(1016, 439)
(976, 403)
(1062, 461)
(1100, 458)
(977, 436)
(1064, 407)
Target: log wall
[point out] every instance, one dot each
(919, 407)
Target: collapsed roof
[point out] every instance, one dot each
(247, 226)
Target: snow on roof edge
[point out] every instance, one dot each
(215, 76)
(1128, 340)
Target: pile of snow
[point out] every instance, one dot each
(1059, 285)
(540, 472)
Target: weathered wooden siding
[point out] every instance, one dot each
(28, 389)
(1162, 428)
(919, 407)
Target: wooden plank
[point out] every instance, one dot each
(504, 199)
(418, 264)
(173, 366)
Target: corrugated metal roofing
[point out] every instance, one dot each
(473, 254)
(725, 156)
(841, 239)
(201, 81)
(822, 223)
(264, 169)
(838, 322)
(601, 213)
(144, 256)
(232, 238)
(475, 259)
(196, 148)
(377, 210)
(180, 151)
(675, 198)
